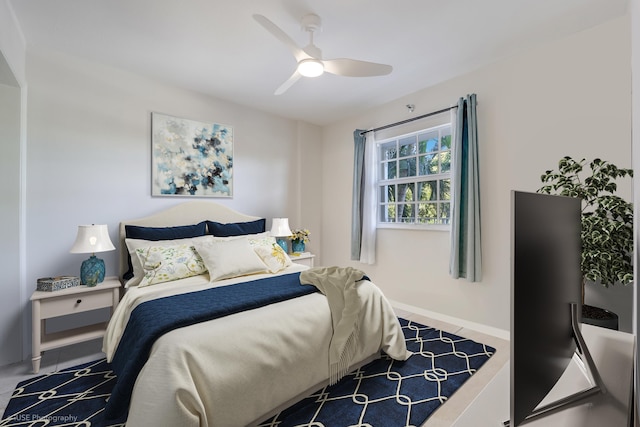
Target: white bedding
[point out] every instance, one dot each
(233, 371)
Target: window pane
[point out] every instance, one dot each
(427, 213)
(406, 212)
(408, 146)
(445, 189)
(428, 191)
(387, 213)
(388, 151)
(389, 170)
(445, 213)
(387, 193)
(428, 164)
(406, 192)
(428, 142)
(407, 167)
(445, 161)
(445, 140)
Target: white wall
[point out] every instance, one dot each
(12, 140)
(12, 43)
(309, 164)
(570, 97)
(10, 312)
(89, 156)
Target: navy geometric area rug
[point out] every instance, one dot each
(383, 393)
(72, 397)
(390, 393)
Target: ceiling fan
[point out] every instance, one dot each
(309, 58)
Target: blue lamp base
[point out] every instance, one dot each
(283, 244)
(92, 271)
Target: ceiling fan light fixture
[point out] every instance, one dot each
(310, 67)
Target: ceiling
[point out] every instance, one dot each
(216, 47)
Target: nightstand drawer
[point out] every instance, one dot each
(60, 306)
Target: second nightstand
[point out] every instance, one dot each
(77, 299)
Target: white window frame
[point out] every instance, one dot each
(380, 182)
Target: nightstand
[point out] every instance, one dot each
(77, 299)
(305, 258)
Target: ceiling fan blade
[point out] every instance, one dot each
(298, 53)
(355, 68)
(290, 81)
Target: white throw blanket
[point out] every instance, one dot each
(338, 284)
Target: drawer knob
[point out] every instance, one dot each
(79, 301)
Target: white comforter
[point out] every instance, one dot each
(233, 371)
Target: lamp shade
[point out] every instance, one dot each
(280, 227)
(91, 239)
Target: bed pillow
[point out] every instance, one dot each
(165, 233)
(133, 244)
(161, 233)
(168, 263)
(266, 234)
(274, 257)
(229, 258)
(236, 228)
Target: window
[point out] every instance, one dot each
(414, 179)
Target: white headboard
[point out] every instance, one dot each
(186, 213)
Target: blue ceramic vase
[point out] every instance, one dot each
(297, 245)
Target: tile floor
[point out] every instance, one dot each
(445, 416)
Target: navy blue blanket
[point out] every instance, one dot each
(152, 319)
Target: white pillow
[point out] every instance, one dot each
(133, 244)
(229, 258)
(270, 252)
(265, 234)
(168, 263)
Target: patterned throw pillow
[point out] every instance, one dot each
(167, 263)
(269, 251)
(273, 256)
(134, 244)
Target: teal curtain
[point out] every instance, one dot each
(359, 142)
(466, 248)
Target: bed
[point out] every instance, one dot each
(238, 368)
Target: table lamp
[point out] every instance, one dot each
(91, 239)
(280, 230)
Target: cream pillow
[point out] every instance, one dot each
(274, 257)
(263, 235)
(133, 244)
(167, 263)
(229, 258)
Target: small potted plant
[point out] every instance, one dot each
(607, 226)
(298, 239)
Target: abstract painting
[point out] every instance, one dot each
(190, 158)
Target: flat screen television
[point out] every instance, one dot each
(546, 297)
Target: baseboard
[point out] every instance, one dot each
(485, 329)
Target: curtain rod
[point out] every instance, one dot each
(409, 120)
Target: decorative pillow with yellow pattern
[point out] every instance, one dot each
(167, 263)
(272, 255)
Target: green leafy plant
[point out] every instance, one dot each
(607, 219)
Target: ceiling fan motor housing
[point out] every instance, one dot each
(311, 22)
